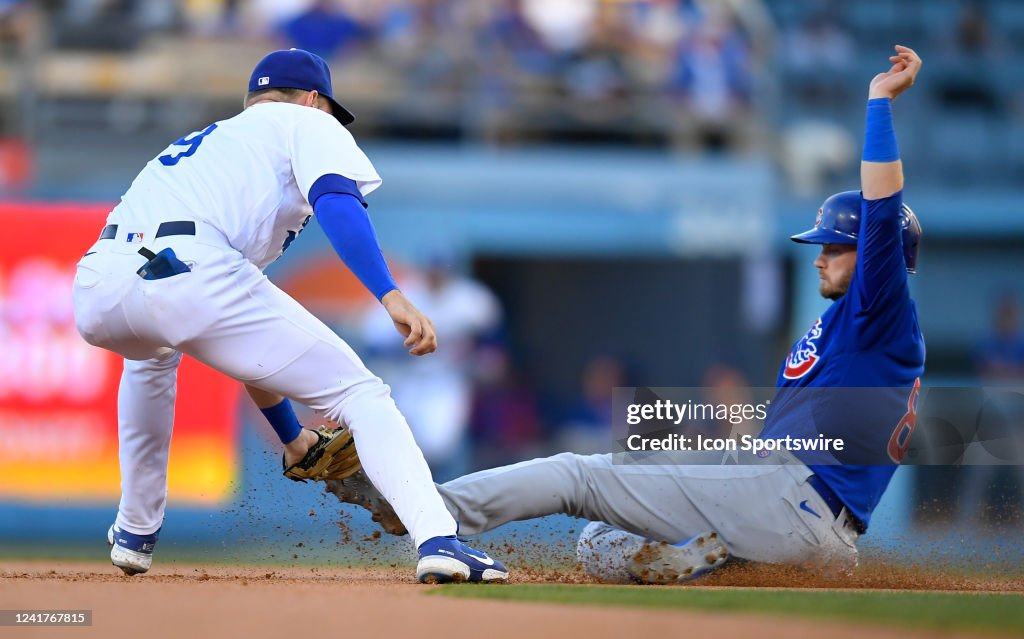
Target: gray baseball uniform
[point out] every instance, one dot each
(763, 510)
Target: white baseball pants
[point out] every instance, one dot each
(228, 315)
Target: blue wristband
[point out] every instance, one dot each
(283, 420)
(879, 134)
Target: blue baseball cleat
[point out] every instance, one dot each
(130, 552)
(661, 563)
(448, 560)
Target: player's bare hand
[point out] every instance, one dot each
(414, 326)
(905, 65)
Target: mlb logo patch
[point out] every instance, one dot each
(134, 238)
(264, 81)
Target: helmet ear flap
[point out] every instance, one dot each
(910, 231)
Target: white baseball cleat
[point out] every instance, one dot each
(130, 552)
(662, 563)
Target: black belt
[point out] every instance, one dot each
(165, 229)
(833, 502)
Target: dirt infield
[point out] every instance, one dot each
(179, 601)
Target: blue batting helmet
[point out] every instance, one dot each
(838, 222)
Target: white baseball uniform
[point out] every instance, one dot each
(244, 181)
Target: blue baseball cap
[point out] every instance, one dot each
(298, 69)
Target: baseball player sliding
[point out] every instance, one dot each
(179, 269)
(667, 523)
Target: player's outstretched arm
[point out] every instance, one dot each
(881, 172)
(350, 232)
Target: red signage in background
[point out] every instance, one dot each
(15, 164)
(58, 395)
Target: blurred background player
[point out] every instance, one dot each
(588, 424)
(999, 356)
(999, 362)
(436, 393)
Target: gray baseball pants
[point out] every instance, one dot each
(755, 508)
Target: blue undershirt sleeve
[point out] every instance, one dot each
(347, 225)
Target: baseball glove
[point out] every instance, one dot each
(332, 457)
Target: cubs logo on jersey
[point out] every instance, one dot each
(804, 354)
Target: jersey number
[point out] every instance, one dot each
(293, 234)
(191, 142)
(899, 442)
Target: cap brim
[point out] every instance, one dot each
(342, 114)
(823, 236)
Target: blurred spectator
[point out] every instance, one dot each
(515, 71)
(999, 357)
(435, 392)
(325, 29)
(270, 14)
(658, 22)
(505, 419)
(999, 360)
(496, 69)
(595, 77)
(113, 24)
(214, 17)
(510, 44)
(432, 44)
(588, 427)
(564, 25)
(973, 32)
(822, 34)
(657, 27)
(973, 45)
(714, 84)
(158, 16)
(820, 55)
(16, 26)
(724, 384)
